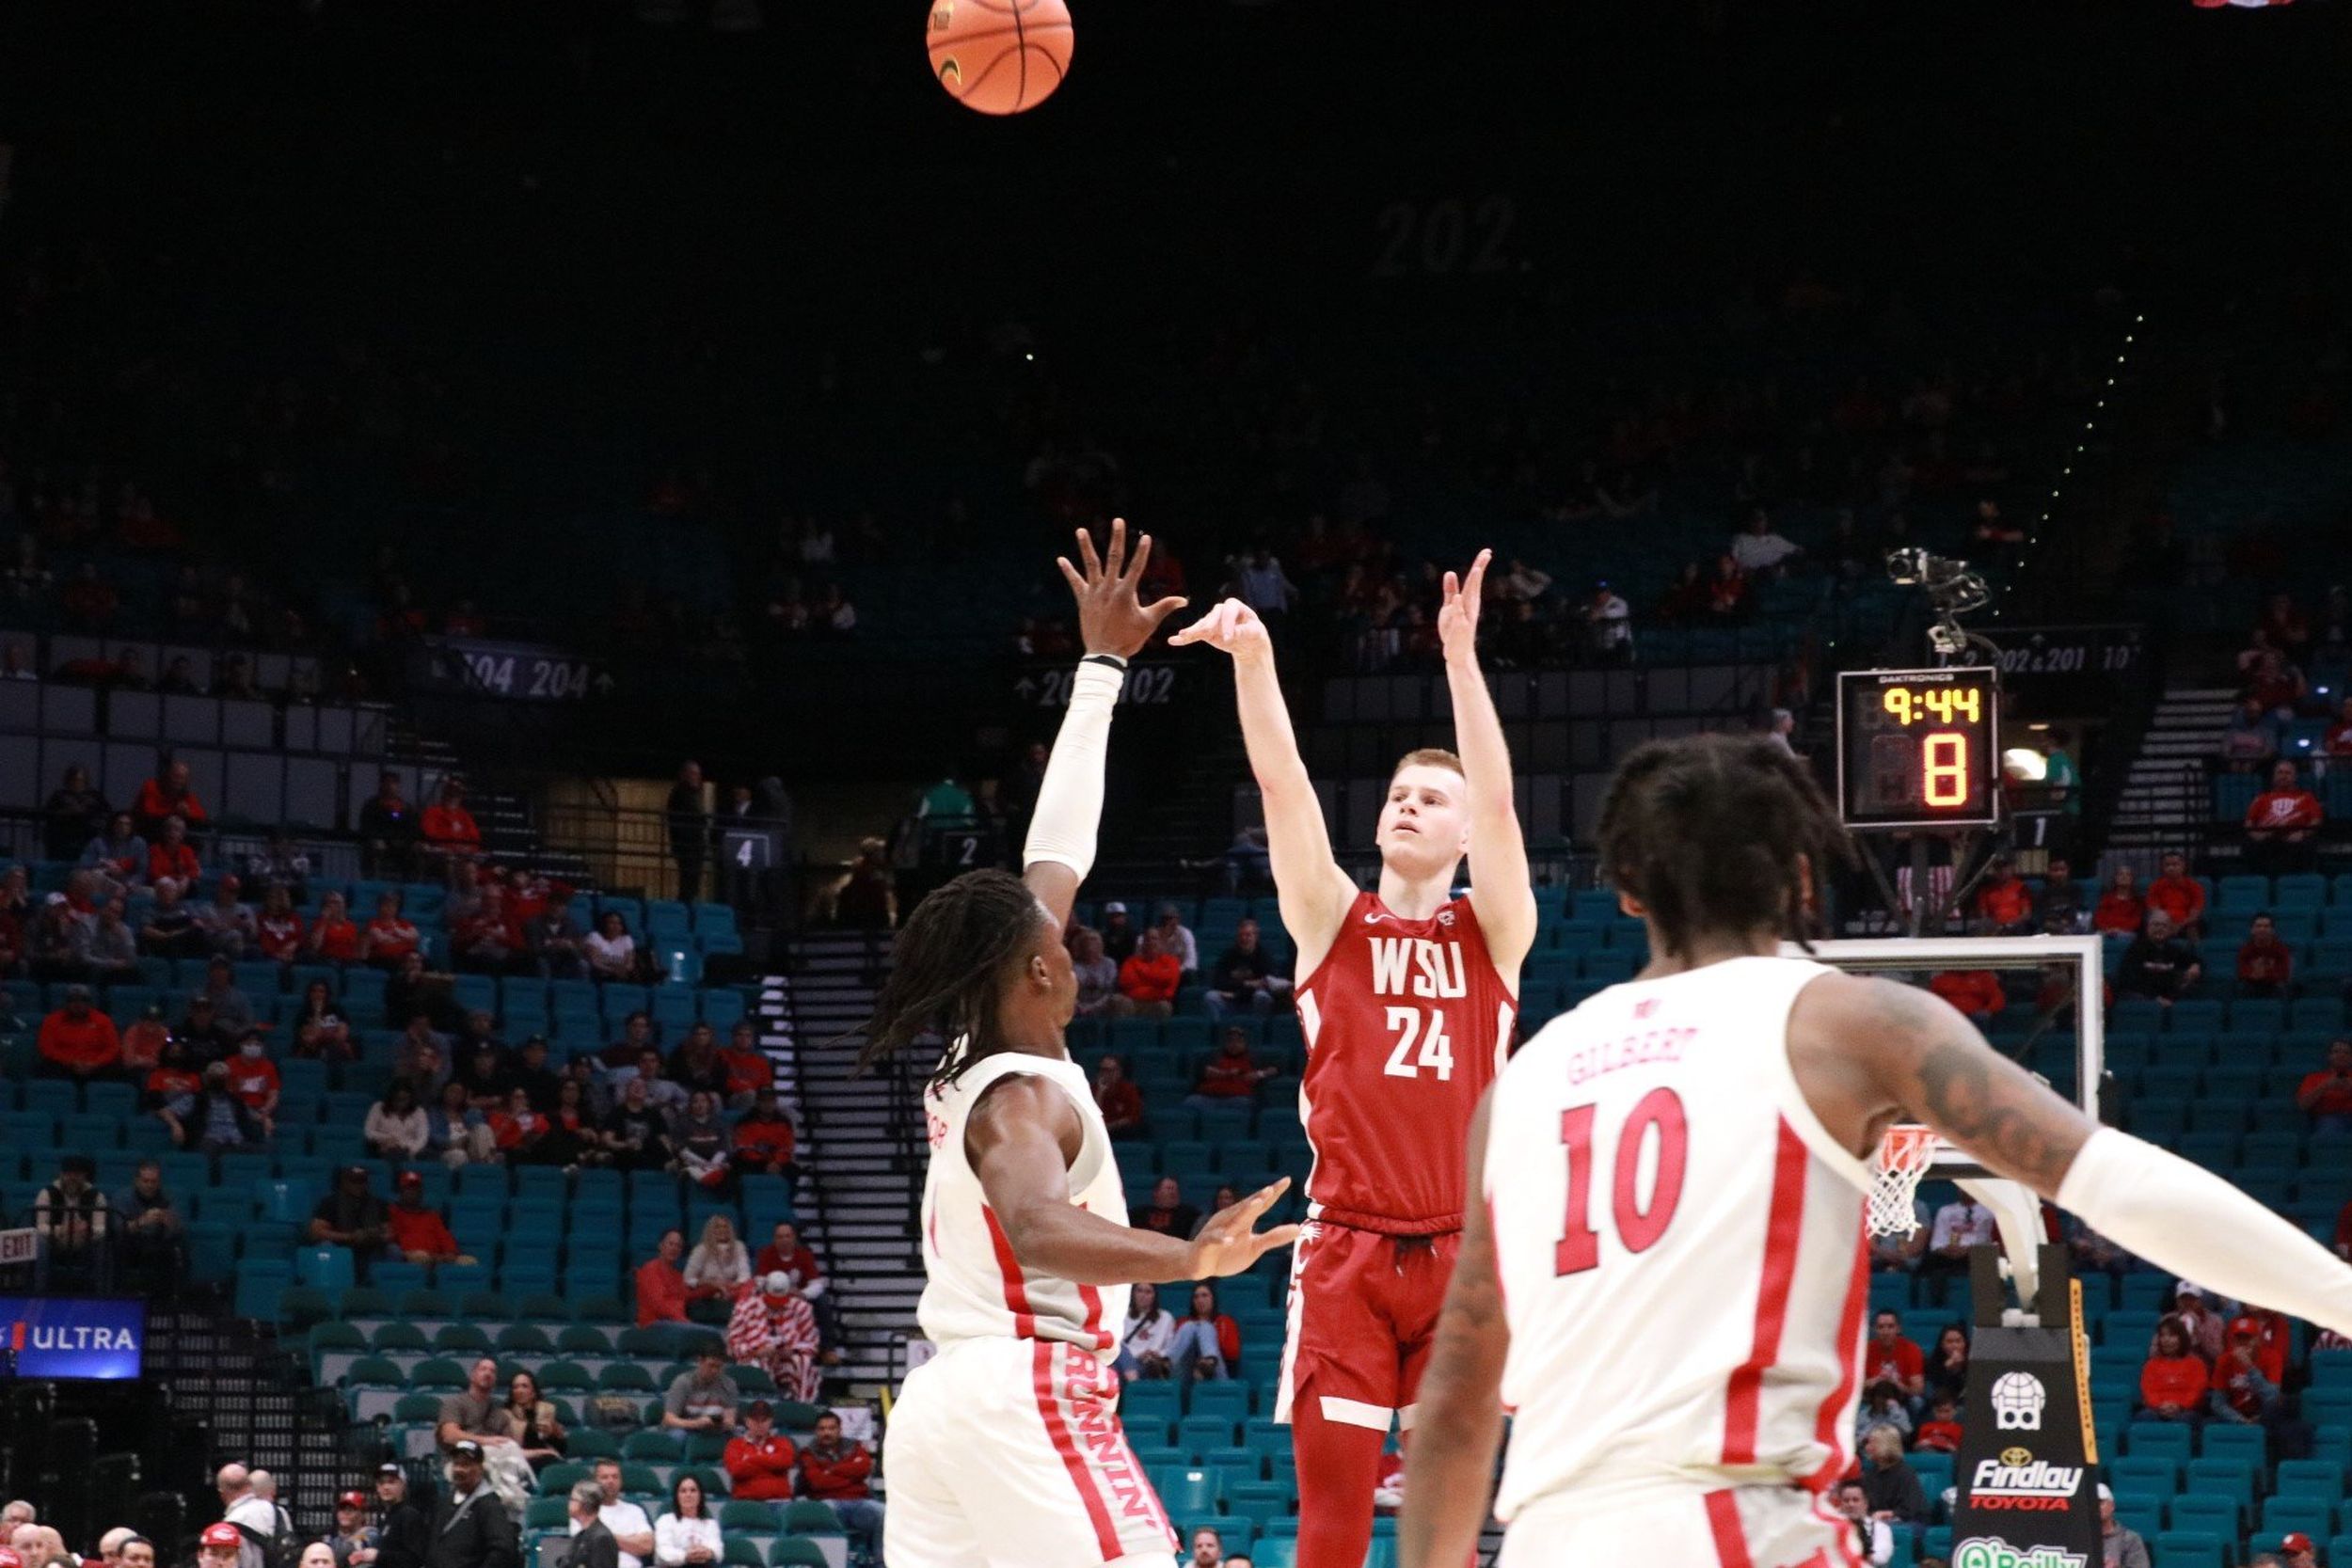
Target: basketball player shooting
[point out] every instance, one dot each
(1005, 1448)
(1664, 1280)
(1406, 1001)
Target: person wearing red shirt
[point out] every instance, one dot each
(449, 827)
(1148, 980)
(1941, 1430)
(2272, 1336)
(2004, 903)
(748, 1068)
(389, 936)
(661, 1284)
(834, 1471)
(764, 1141)
(278, 929)
(1975, 991)
(2280, 823)
(172, 858)
(787, 1253)
(2178, 894)
(761, 1463)
(519, 1130)
(2120, 909)
(167, 795)
(333, 936)
(1229, 1076)
(2265, 965)
(419, 1233)
(2339, 740)
(253, 1077)
(2240, 1388)
(143, 1044)
(2325, 1096)
(1891, 1357)
(1117, 1096)
(2175, 1381)
(79, 1042)
(487, 940)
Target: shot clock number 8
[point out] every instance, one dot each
(1919, 748)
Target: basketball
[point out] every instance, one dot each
(1000, 56)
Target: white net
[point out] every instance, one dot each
(1895, 1175)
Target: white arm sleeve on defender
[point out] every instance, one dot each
(2196, 1224)
(1069, 797)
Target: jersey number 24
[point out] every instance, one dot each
(1658, 1111)
(1436, 1051)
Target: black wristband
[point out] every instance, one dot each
(1112, 659)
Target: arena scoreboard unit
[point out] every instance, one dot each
(1919, 748)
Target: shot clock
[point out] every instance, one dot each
(1919, 748)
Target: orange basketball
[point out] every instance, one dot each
(1000, 56)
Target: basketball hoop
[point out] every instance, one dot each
(1895, 1175)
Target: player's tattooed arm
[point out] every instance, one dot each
(1458, 1427)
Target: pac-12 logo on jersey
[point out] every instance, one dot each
(1434, 969)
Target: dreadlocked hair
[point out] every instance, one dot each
(1707, 831)
(944, 976)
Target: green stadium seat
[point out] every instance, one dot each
(796, 1551)
(810, 1517)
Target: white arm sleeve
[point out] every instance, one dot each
(1069, 797)
(2199, 1226)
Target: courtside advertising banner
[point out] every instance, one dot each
(71, 1337)
(2028, 1493)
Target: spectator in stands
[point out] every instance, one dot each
(391, 937)
(661, 1285)
(321, 1031)
(53, 946)
(170, 930)
(592, 1544)
(577, 1118)
(226, 924)
(253, 1078)
(220, 1545)
(79, 1042)
(354, 1539)
(418, 1059)
(417, 1232)
(351, 1217)
(1207, 1343)
(1960, 1224)
(168, 794)
(486, 940)
(388, 832)
(530, 1423)
(2176, 1379)
(1889, 1482)
(1230, 1076)
(415, 991)
(2243, 1392)
(334, 935)
(2325, 1096)
(471, 1528)
(2159, 963)
(1608, 624)
(694, 1066)
(1727, 589)
(747, 1067)
(1119, 1101)
(279, 866)
(1208, 1549)
(611, 951)
(720, 1267)
(760, 1460)
(527, 1069)
(700, 1141)
(119, 855)
(2004, 904)
(636, 1133)
(1176, 939)
(1096, 975)
(151, 1232)
(72, 815)
(1245, 977)
(1944, 1374)
(2179, 894)
(1168, 1213)
(402, 1539)
(1873, 1539)
(1143, 1347)
(2062, 900)
(773, 1327)
(1976, 993)
(632, 1531)
(2120, 909)
(2337, 743)
(2251, 737)
(1892, 1357)
(1119, 933)
(231, 1008)
(457, 1134)
(1941, 1433)
(2265, 963)
(764, 1140)
(1149, 980)
(2120, 1546)
(1758, 549)
(2281, 825)
(703, 1399)
(2300, 1552)
(688, 811)
(481, 1068)
(108, 948)
(450, 832)
(787, 1254)
(834, 1471)
(171, 860)
(688, 1535)
(69, 1215)
(217, 1119)
(557, 946)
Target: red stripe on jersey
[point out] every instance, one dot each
(1016, 1284)
(1081, 1477)
(1784, 1226)
(1723, 1523)
(1832, 1427)
(1092, 1300)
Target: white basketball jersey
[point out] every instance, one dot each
(1680, 1244)
(976, 1289)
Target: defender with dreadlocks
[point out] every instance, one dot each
(1405, 1000)
(1665, 1280)
(1005, 1448)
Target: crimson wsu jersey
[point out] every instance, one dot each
(1405, 1022)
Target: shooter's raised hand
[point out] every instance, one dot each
(1457, 617)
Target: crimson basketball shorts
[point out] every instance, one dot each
(1363, 1314)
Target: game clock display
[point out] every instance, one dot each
(1919, 748)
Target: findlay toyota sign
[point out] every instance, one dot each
(71, 1337)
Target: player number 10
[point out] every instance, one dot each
(1638, 1228)
(1436, 1052)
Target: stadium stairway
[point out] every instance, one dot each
(865, 1163)
(2165, 801)
(509, 832)
(234, 1378)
